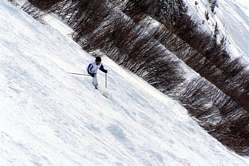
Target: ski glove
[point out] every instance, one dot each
(103, 69)
(92, 74)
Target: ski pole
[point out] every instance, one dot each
(106, 80)
(80, 74)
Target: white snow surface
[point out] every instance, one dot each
(234, 14)
(49, 117)
(232, 18)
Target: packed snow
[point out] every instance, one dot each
(50, 117)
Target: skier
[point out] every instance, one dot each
(93, 68)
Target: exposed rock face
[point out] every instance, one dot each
(158, 41)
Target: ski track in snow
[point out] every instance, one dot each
(51, 118)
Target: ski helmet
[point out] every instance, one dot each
(98, 59)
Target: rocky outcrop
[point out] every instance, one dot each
(158, 41)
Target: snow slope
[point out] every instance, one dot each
(232, 18)
(234, 14)
(49, 117)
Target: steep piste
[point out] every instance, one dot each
(163, 43)
(51, 118)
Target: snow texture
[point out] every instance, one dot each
(232, 18)
(234, 14)
(49, 117)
